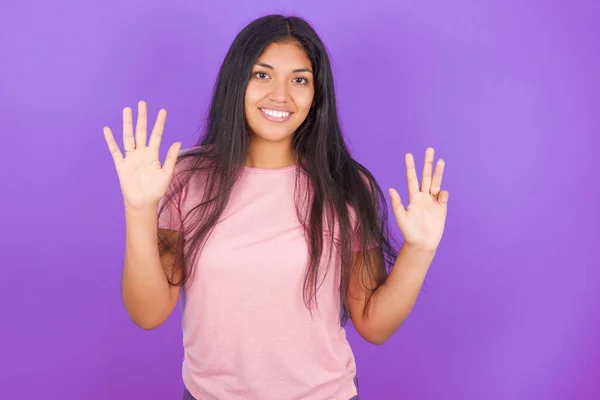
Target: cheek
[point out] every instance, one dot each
(253, 95)
(304, 102)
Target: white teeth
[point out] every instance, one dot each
(276, 114)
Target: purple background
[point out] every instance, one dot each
(507, 92)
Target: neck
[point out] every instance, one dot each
(268, 154)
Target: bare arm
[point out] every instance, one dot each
(146, 293)
(422, 225)
(393, 301)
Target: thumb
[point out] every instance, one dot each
(171, 159)
(443, 197)
(397, 206)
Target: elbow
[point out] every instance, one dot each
(376, 337)
(147, 325)
(377, 331)
(147, 316)
(376, 340)
(149, 322)
(146, 321)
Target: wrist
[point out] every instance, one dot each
(145, 212)
(415, 260)
(417, 250)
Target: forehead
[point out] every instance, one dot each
(285, 56)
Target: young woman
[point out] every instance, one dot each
(271, 232)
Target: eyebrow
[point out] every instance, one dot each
(294, 71)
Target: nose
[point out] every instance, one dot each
(279, 92)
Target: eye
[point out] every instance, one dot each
(261, 75)
(301, 81)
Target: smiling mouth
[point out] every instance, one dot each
(276, 116)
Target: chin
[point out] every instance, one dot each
(273, 132)
(273, 135)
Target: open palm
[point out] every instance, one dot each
(422, 222)
(144, 181)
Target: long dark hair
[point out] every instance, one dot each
(338, 183)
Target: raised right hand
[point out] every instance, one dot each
(142, 178)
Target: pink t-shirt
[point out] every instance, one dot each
(247, 333)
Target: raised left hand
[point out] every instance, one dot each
(422, 222)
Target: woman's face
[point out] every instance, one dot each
(280, 92)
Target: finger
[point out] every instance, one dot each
(411, 176)
(112, 146)
(436, 183)
(397, 206)
(141, 125)
(128, 140)
(427, 170)
(157, 131)
(443, 197)
(171, 159)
